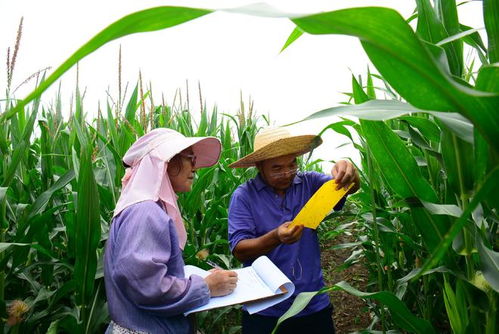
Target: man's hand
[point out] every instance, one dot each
(288, 235)
(345, 173)
(221, 282)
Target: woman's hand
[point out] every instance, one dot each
(221, 282)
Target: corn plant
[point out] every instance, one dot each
(429, 166)
(426, 209)
(59, 189)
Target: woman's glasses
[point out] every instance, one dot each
(190, 156)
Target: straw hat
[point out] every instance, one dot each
(275, 142)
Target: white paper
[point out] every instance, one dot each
(274, 278)
(261, 280)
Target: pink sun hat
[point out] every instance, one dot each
(146, 177)
(168, 143)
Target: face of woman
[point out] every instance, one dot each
(181, 170)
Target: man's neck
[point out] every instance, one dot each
(279, 192)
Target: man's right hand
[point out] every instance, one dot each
(221, 282)
(289, 235)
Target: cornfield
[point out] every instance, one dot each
(425, 220)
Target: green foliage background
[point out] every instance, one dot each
(426, 215)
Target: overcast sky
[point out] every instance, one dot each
(225, 52)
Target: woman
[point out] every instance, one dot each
(143, 265)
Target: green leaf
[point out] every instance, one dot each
(459, 125)
(490, 184)
(449, 17)
(458, 36)
(359, 96)
(401, 315)
(430, 29)
(53, 327)
(474, 40)
(151, 19)
(426, 126)
(295, 34)
(491, 20)
(3, 192)
(459, 167)
(381, 110)
(42, 200)
(131, 107)
(370, 87)
(488, 78)
(406, 64)
(456, 307)
(5, 245)
(402, 174)
(88, 230)
(489, 263)
(416, 271)
(397, 163)
(300, 302)
(17, 156)
(443, 209)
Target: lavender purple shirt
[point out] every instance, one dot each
(256, 209)
(144, 273)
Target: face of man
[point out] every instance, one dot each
(279, 172)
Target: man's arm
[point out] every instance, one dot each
(250, 249)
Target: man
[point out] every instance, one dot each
(260, 212)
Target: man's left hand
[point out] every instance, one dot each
(345, 173)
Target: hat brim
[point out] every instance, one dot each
(207, 151)
(290, 145)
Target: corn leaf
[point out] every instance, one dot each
(489, 263)
(6, 245)
(300, 302)
(459, 167)
(42, 200)
(87, 229)
(407, 65)
(491, 20)
(402, 316)
(488, 78)
(490, 184)
(443, 209)
(403, 176)
(295, 34)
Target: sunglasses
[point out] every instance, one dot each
(189, 156)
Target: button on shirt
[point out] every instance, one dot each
(256, 209)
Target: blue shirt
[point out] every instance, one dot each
(255, 209)
(144, 273)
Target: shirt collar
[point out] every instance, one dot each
(260, 183)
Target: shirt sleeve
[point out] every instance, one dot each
(241, 222)
(143, 254)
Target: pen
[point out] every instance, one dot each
(213, 264)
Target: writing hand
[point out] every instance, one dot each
(221, 282)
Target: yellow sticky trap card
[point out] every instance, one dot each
(319, 205)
